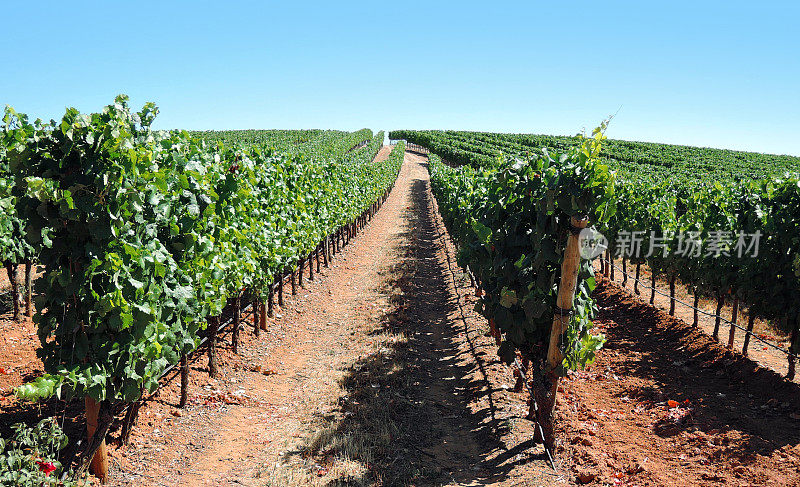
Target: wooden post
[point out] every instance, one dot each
(793, 339)
(672, 295)
(294, 283)
(213, 328)
(271, 301)
(237, 317)
(256, 316)
(129, 421)
(611, 264)
(652, 286)
(280, 288)
(570, 267)
(720, 303)
(319, 249)
(263, 317)
(751, 318)
(636, 282)
(99, 464)
(696, 305)
(12, 279)
(734, 316)
(498, 337)
(325, 251)
(311, 266)
(300, 271)
(29, 288)
(624, 271)
(184, 381)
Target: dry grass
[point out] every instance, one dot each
(346, 443)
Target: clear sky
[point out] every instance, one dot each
(721, 74)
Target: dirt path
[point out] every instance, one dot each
(384, 152)
(379, 372)
(382, 377)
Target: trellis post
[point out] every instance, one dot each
(570, 266)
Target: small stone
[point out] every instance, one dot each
(582, 441)
(635, 468)
(710, 476)
(585, 477)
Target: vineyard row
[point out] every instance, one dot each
(709, 195)
(145, 236)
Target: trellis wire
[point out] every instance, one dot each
(713, 315)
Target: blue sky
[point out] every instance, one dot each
(720, 74)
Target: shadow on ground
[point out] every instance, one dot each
(406, 413)
(727, 391)
(6, 302)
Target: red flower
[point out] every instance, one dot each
(46, 467)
